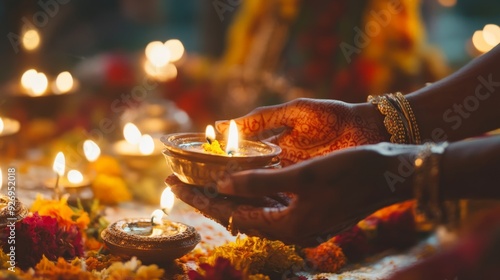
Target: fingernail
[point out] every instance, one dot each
(225, 185)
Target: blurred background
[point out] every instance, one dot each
(183, 64)
(122, 73)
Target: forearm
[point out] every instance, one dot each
(465, 104)
(471, 169)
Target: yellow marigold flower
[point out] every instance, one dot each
(214, 148)
(106, 165)
(110, 189)
(255, 255)
(46, 269)
(60, 210)
(4, 259)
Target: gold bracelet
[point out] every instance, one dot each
(392, 120)
(408, 111)
(426, 182)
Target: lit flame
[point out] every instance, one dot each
(91, 150)
(176, 49)
(491, 34)
(131, 133)
(163, 73)
(31, 39)
(27, 78)
(486, 39)
(64, 82)
(157, 216)
(39, 84)
(59, 164)
(1, 178)
(75, 176)
(146, 145)
(167, 200)
(232, 139)
(210, 133)
(157, 53)
(1, 125)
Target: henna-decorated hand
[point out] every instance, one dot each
(331, 194)
(305, 128)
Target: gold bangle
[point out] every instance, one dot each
(392, 120)
(408, 111)
(426, 182)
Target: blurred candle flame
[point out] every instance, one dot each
(131, 133)
(146, 145)
(176, 49)
(31, 39)
(64, 82)
(59, 164)
(1, 125)
(167, 200)
(75, 176)
(157, 53)
(157, 216)
(232, 139)
(91, 150)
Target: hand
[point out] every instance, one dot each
(330, 194)
(305, 128)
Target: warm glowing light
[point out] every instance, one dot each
(491, 34)
(64, 82)
(479, 43)
(75, 176)
(27, 78)
(1, 125)
(146, 145)
(164, 73)
(1, 178)
(131, 133)
(31, 39)
(210, 133)
(167, 200)
(91, 150)
(447, 3)
(157, 216)
(176, 49)
(59, 164)
(157, 53)
(232, 139)
(39, 84)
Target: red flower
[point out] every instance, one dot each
(354, 243)
(37, 235)
(221, 270)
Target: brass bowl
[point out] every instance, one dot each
(185, 155)
(132, 237)
(15, 214)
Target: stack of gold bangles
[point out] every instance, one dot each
(400, 122)
(399, 119)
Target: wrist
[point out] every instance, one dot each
(369, 114)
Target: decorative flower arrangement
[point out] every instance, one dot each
(58, 241)
(252, 256)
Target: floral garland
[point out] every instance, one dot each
(58, 241)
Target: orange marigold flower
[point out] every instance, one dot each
(327, 257)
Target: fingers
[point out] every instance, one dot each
(262, 122)
(254, 183)
(265, 222)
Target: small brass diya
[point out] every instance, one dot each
(188, 160)
(149, 242)
(11, 210)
